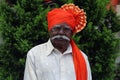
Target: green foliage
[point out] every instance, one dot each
(117, 77)
(23, 25)
(97, 40)
(95, 9)
(100, 46)
(112, 20)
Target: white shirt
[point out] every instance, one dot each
(44, 62)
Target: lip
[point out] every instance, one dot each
(60, 39)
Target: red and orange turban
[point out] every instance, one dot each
(76, 19)
(70, 14)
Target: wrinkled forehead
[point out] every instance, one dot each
(62, 25)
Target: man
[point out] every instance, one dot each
(60, 58)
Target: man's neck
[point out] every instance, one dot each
(61, 47)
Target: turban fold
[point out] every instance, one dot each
(70, 14)
(58, 16)
(76, 19)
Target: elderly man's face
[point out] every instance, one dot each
(61, 33)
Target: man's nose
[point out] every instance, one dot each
(61, 31)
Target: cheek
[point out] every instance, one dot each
(51, 33)
(69, 35)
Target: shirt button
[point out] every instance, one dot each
(47, 64)
(68, 72)
(40, 72)
(54, 71)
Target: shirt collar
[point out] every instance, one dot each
(50, 48)
(69, 50)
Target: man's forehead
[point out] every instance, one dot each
(62, 25)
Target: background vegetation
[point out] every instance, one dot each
(23, 25)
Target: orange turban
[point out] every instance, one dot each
(57, 16)
(70, 14)
(76, 19)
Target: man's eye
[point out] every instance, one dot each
(67, 29)
(57, 28)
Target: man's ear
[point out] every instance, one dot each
(49, 32)
(73, 35)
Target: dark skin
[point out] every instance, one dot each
(61, 29)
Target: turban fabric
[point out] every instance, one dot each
(70, 14)
(57, 16)
(76, 19)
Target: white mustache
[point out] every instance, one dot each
(60, 36)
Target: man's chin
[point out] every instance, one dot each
(60, 41)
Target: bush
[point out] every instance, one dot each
(23, 25)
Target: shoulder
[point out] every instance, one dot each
(37, 49)
(84, 55)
